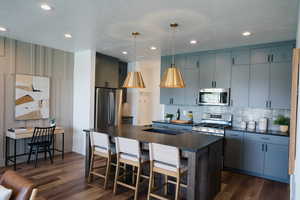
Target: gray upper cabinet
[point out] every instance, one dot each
(241, 57)
(180, 60)
(280, 85)
(223, 70)
(233, 149)
(192, 61)
(282, 54)
(191, 76)
(207, 69)
(253, 156)
(259, 86)
(276, 161)
(260, 55)
(240, 86)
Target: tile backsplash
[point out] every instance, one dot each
(238, 114)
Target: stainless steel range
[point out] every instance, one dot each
(214, 124)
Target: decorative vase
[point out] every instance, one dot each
(284, 128)
(168, 119)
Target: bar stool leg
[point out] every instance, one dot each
(177, 187)
(107, 170)
(166, 185)
(137, 183)
(91, 167)
(117, 175)
(150, 182)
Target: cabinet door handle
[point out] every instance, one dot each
(270, 104)
(212, 84)
(267, 104)
(263, 147)
(196, 100)
(268, 58)
(232, 60)
(272, 58)
(197, 64)
(231, 102)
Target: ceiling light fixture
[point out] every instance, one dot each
(124, 52)
(153, 48)
(3, 29)
(134, 79)
(172, 77)
(68, 35)
(246, 33)
(193, 42)
(46, 7)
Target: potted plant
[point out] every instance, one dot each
(168, 117)
(283, 123)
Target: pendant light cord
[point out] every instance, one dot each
(135, 63)
(173, 46)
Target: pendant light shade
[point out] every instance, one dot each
(134, 80)
(172, 77)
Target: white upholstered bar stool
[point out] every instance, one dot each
(165, 160)
(101, 147)
(129, 153)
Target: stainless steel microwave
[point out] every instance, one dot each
(214, 97)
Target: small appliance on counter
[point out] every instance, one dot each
(263, 125)
(251, 125)
(189, 115)
(243, 125)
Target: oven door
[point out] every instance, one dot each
(214, 97)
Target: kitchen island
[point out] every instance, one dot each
(204, 154)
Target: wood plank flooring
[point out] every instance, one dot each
(64, 180)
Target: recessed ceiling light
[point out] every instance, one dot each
(193, 42)
(153, 48)
(124, 52)
(246, 33)
(68, 35)
(3, 29)
(45, 6)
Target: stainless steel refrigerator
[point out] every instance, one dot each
(108, 107)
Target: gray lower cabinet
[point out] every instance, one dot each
(276, 161)
(253, 156)
(233, 149)
(259, 86)
(240, 86)
(256, 154)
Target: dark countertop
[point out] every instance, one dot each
(166, 122)
(269, 132)
(186, 140)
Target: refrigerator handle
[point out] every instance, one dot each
(97, 108)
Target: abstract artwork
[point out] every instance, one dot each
(32, 97)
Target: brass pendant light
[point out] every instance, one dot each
(172, 77)
(134, 79)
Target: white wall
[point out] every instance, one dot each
(145, 103)
(84, 84)
(295, 179)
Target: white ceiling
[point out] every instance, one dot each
(105, 25)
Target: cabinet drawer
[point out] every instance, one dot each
(267, 138)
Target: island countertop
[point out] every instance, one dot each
(184, 140)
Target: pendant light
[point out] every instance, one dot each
(172, 77)
(134, 79)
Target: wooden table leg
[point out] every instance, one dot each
(63, 146)
(87, 153)
(15, 154)
(7, 152)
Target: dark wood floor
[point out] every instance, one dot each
(64, 180)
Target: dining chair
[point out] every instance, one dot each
(129, 153)
(41, 142)
(165, 160)
(101, 147)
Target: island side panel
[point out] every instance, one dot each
(87, 153)
(204, 172)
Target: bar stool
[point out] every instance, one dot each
(129, 153)
(165, 160)
(101, 147)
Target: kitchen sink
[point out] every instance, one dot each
(164, 131)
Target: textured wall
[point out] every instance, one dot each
(18, 57)
(239, 114)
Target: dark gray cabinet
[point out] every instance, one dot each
(233, 151)
(276, 161)
(259, 86)
(240, 86)
(253, 156)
